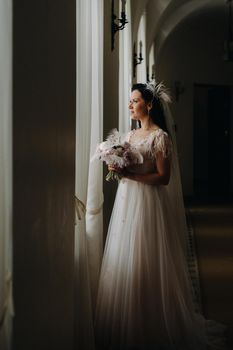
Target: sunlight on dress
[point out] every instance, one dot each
(144, 298)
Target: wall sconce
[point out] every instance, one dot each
(147, 75)
(114, 26)
(179, 89)
(152, 78)
(228, 44)
(137, 59)
(153, 72)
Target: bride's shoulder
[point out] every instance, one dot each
(160, 134)
(161, 142)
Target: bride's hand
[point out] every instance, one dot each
(114, 168)
(123, 171)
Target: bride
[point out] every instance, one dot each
(144, 298)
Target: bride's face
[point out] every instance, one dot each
(137, 106)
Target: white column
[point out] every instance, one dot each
(141, 47)
(125, 71)
(152, 63)
(6, 306)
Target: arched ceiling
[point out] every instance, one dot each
(176, 16)
(137, 9)
(163, 16)
(155, 12)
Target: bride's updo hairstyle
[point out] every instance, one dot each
(154, 93)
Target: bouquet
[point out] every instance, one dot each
(117, 153)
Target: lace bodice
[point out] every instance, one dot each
(149, 146)
(156, 141)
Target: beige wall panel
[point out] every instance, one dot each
(44, 155)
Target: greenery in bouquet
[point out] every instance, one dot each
(117, 152)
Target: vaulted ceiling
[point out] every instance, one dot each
(163, 16)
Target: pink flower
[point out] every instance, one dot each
(115, 152)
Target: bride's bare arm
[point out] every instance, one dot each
(160, 177)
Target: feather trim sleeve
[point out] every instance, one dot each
(162, 143)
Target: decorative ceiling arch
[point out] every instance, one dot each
(163, 16)
(137, 9)
(175, 13)
(155, 11)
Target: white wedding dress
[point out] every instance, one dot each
(144, 299)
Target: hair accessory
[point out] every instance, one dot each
(160, 91)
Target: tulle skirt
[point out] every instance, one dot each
(144, 297)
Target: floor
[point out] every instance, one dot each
(213, 231)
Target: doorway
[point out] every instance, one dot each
(212, 143)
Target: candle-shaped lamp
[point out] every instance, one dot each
(140, 49)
